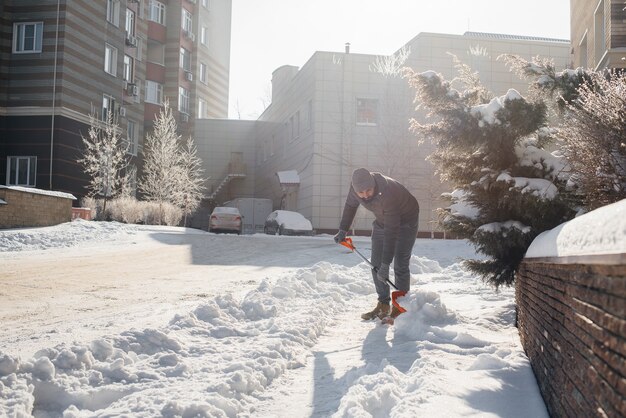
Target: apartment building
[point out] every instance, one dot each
(61, 61)
(598, 29)
(343, 110)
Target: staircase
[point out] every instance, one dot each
(235, 171)
(223, 184)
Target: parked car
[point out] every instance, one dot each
(224, 219)
(284, 222)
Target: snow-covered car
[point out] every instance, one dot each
(225, 219)
(284, 222)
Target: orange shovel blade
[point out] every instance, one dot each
(394, 296)
(347, 243)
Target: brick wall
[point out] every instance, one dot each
(27, 209)
(572, 324)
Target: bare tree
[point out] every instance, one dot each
(593, 138)
(104, 157)
(163, 169)
(591, 107)
(129, 186)
(391, 65)
(191, 181)
(398, 150)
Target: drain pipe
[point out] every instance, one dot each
(54, 91)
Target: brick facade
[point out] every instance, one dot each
(28, 209)
(572, 324)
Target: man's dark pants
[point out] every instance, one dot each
(401, 258)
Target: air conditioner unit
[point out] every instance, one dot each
(184, 118)
(132, 89)
(122, 111)
(192, 1)
(189, 35)
(131, 40)
(189, 76)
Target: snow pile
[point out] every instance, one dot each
(40, 191)
(602, 231)
(68, 234)
(462, 364)
(215, 360)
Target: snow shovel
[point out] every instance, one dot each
(394, 295)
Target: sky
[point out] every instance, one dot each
(257, 325)
(267, 34)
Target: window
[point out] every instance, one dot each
(204, 36)
(113, 12)
(183, 100)
(108, 107)
(155, 52)
(154, 92)
(205, 4)
(273, 146)
(203, 73)
(599, 32)
(367, 112)
(21, 171)
(110, 59)
(290, 132)
(185, 59)
(130, 22)
(186, 21)
(309, 115)
(583, 52)
(297, 125)
(157, 12)
(27, 37)
(139, 46)
(202, 108)
(137, 83)
(131, 137)
(128, 68)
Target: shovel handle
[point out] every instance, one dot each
(348, 243)
(394, 295)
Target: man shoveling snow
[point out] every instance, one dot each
(393, 234)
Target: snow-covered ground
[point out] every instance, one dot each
(104, 319)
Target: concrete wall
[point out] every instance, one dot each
(28, 209)
(572, 324)
(219, 141)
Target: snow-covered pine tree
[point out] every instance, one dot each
(592, 109)
(192, 181)
(104, 158)
(507, 187)
(163, 169)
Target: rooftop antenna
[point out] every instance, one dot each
(347, 47)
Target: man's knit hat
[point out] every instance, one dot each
(362, 179)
